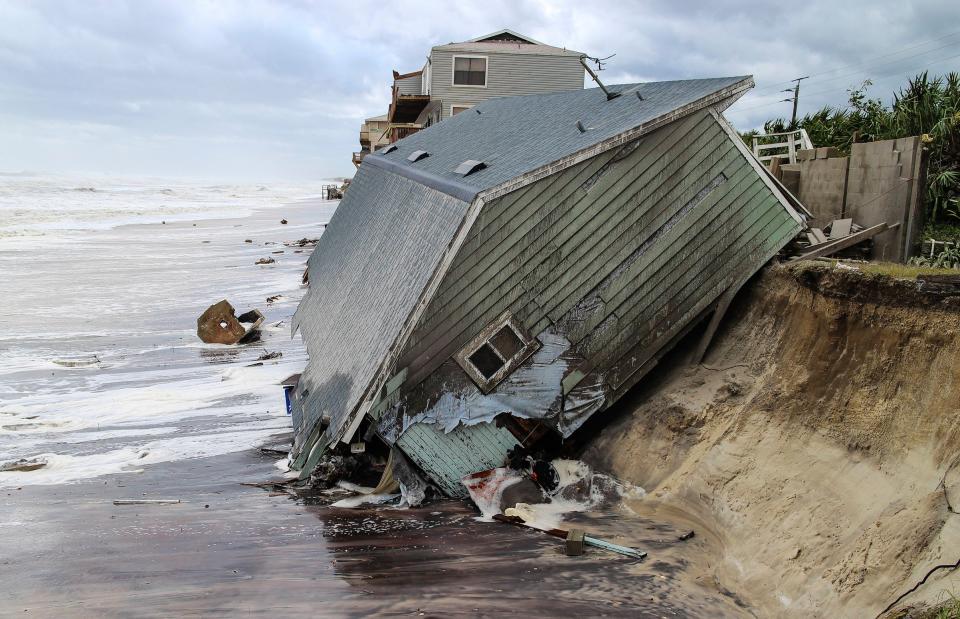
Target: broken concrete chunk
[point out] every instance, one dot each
(219, 325)
(267, 260)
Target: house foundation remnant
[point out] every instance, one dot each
(469, 311)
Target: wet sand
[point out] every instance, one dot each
(232, 549)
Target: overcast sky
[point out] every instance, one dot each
(264, 90)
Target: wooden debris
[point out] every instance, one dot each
(587, 540)
(840, 228)
(831, 247)
(816, 236)
(575, 542)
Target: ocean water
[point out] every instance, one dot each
(102, 281)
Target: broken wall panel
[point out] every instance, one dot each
(447, 457)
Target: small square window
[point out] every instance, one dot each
(496, 351)
(486, 361)
(506, 342)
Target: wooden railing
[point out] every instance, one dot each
(401, 130)
(791, 141)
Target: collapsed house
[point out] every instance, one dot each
(513, 271)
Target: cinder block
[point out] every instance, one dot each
(827, 152)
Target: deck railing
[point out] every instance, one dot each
(789, 141)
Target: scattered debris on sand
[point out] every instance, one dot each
(270, 355)
(147, 502)
(219, 325)
(78, 362)
(267, 260)
(23, 465)
(304, 242)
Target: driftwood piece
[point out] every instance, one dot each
(831, 247)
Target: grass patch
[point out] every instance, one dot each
(902, 271)
(947, 610)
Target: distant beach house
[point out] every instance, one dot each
(458, 76)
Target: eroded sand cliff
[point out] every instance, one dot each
(817, 444)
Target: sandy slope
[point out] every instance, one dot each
(811, 443)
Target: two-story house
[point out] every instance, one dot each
(457, 76)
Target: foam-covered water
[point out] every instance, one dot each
(40, 205)
(100, 367)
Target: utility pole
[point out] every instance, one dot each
(796, 97)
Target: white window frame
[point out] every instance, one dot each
(530, 346)
(463, 108)
(453, 71)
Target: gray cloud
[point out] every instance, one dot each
(262, 89)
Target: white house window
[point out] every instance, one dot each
(469, 71)
(496, 352)
(456, 109)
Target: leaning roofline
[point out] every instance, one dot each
(369, 399)
(729, 94)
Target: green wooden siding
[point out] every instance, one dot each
(447, 457)
(677, 220)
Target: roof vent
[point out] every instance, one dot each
(469, 166)
(580, 127)
(388, 149)
(417, 155)
(639, 96)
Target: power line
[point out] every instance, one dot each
(836, 90)
(775, 85)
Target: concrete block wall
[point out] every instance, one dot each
(878, 182)
(880, 187)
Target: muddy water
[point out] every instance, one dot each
(66, 550)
